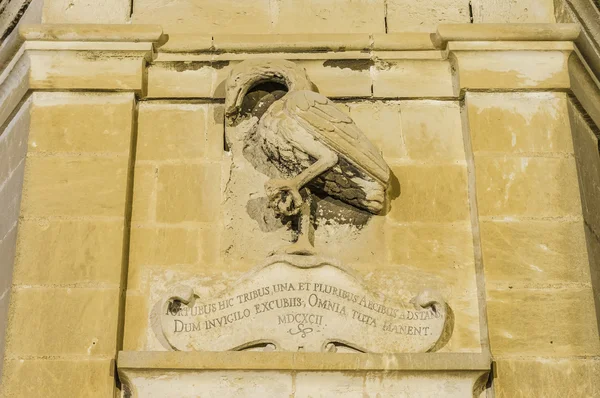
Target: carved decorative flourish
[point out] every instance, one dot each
(312, 143)
(302, 331)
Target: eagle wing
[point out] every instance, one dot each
(319, 116)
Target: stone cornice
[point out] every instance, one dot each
(248, 360)
(91, 33)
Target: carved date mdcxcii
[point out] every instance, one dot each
(312, 143)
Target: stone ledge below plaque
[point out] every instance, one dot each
(299, 374)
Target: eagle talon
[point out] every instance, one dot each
(284, 196)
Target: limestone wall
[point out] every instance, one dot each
(132, 187)
(291, 16)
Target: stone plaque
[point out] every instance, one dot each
(303, 303)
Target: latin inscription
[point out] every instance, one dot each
(305, 306)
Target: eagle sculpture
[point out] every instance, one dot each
(313, 144)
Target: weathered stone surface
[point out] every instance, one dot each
(13, 142)
(202, 79)
(396, 79)
(136, 321)
(340, 78)
(527, 186)
(67, 252)
(519, 122)
(86, 11)
(513, 11)
(145, 186)
(534, 252)
(40, 318)
(188, 192)
(301, 373)
(74, 186)
(415, 130)
(180, 132)
(382, 124)
(442, 249)
(518, 322)
(408, 15)
(543, 377)
(433, 131)
(81, 123)
(588, 165)
(506, 70)
(593, 248)
(330, 16)
(153, 245)
(7, 255)
(10, 197)
(431, 193)
(202, 16)
(100, 66)
(75, 378)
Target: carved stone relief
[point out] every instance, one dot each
(310, 144)
(296, 142)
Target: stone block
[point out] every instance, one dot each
(430, 193)
(330, 16)
(152, 245)
(63, 321)
(321, 384)
(84, 378)
(340, 78)
(442, 249)
(180, 131)
(13, 142)
(188, 192)
(519, 122)
(543, 377)
(74, 186)
(396, 79)
(205, 16)
(113, 66)
(81, 122)
(411, 16)
(593, 249)
(432, 131)
(527, 187)
(187, 79)
(512, 70)
(136, 322)
(7, 255)
(86, 11)
(381, 122)
(416, 130)
(586, 146)
(143, 208)
(548, 322)
(10, 199)
(534, 252)
(68, 252)
(513, 11)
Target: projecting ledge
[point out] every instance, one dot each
(300, 374)
(251, 360)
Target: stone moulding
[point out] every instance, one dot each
(407, 41)
(282, 373)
